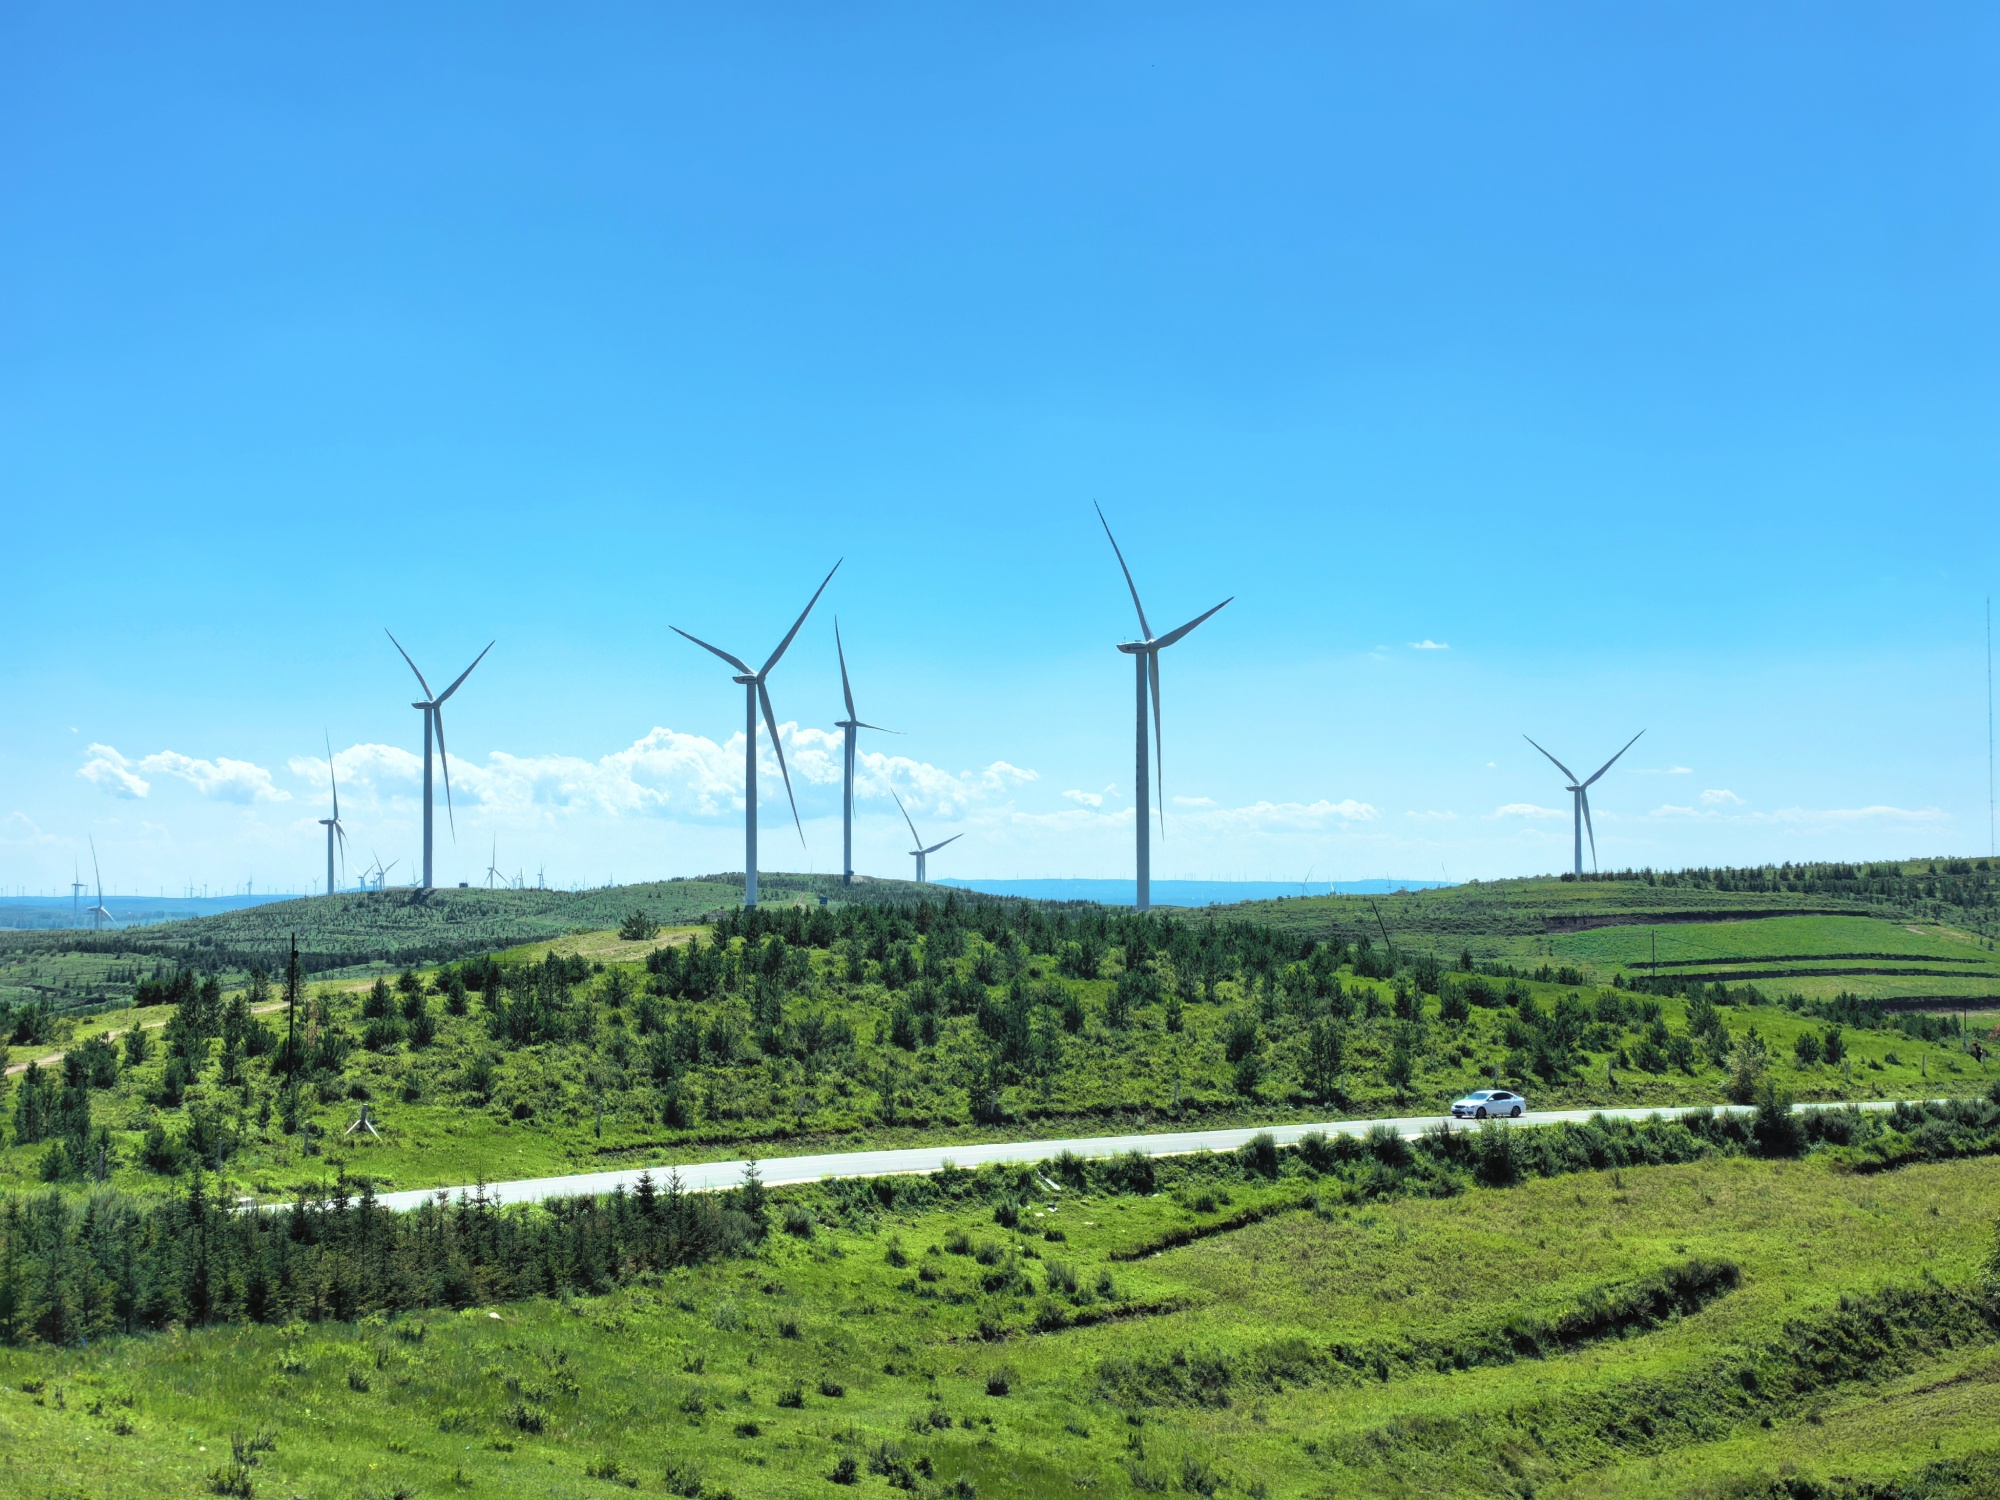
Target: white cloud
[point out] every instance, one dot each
(224, 779)
(1089, 799)
(1717, 797)
(18, 828)
(1526, 810)
(1798, 817)
(1427, 644)
(111, 772)
(1433, 815)
(1195, 802)
(668, 774)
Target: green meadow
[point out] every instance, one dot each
(1317, 1349)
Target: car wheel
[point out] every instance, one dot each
(1515, 1113)
(1481, 1114)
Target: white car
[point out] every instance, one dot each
(1489, 1104)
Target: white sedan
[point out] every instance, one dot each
(1489, 1104)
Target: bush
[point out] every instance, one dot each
(1316, 1151)
(799, 1221)
(1259, 1154)
(847, 1471)
(638, 928)
(999, 1381)
(1806, 1048)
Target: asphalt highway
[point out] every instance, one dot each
(709, 1176)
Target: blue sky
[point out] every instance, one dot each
(1639, 359)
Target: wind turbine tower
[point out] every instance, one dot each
(756, 696)
(1579, 796)
(493, 864)
(432, 708)
(1145, 654)
(916, 838)
(850, 727)
(332, 824)
(100, 913)
(76, 889)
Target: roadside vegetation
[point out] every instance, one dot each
(1367, 1318)
(947, 1019)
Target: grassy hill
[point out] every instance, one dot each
(1921, 933)
(369, 931)
(814, 1028)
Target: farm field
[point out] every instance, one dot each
(1729, 1322)
(995, 1023)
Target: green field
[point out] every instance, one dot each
(1741, 1318)
(1247, 1362)
(961, 1034)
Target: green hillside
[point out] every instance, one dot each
(1922, 932)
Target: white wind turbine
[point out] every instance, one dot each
(1579, 796)
(332, 824)
(1145, 654)
(99, 914)
(493, 864)
(918, 839)
(757, 696)
(432, 708)
(849, 727)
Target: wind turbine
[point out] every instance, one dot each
(1145, 654)
(332, 824)
(849, 727)
(916, 838)
(1579, 794)
(432, 709)
(99, 914)
(76, 886)
(755, 696)
(492, 864)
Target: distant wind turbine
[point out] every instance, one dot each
(332, 824)
(1579, 794)
(849, 727)
(493, 864)
(1145, 654)
(99, 914)
(918, 839)
(432, 709)
(76, 887)
(757, 696)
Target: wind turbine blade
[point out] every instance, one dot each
(915, 837)
(935, 847)
(1173, 635)
(406, 657)
(733, 661)
(1614, 759)
(876, 727)
(778, 749)
(785, 644)
(444, 760)
(1143, 626)
(95, 871)
(1159, 769)
(1584, 796)
(845, 691)
(1558, 764)
(467, 672)
(330, 781)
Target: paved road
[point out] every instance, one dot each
(709, 1176)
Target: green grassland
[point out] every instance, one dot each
(366, 932)
(800, 1049)
(1232, 1333)
(1812, 931)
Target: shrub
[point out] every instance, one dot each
(1259, 1154)
(847, 1471)
(638, 928)
(1806, 1048)
(793, 1397)
(799, 1221)
(831, 1388)
(999, 1381)
(1316, 1151)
